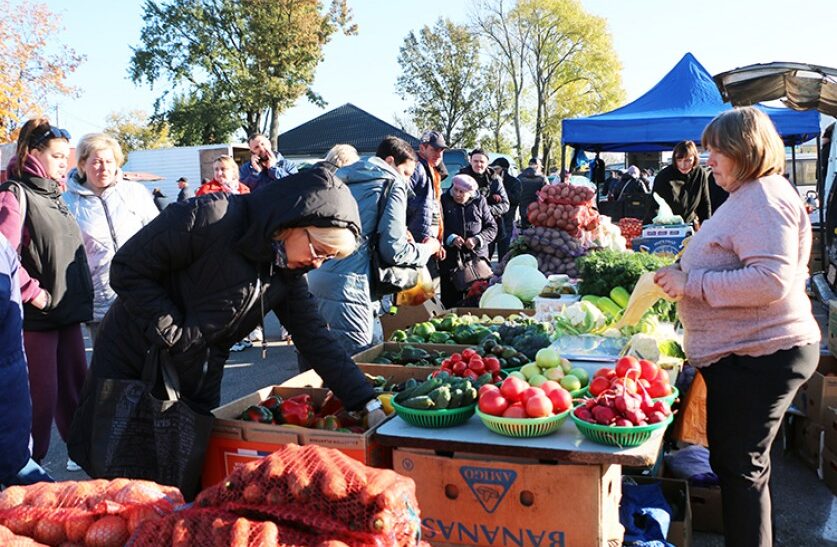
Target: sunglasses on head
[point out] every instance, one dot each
(51, 133)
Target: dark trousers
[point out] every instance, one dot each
(746, 398)
(57, 366)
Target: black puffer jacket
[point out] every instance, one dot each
(191, 281)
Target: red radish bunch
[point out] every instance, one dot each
(632, 372)
(517, 399)
(469, 364)
(624, 404)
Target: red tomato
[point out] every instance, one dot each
(628, 366)
(598, 385)
(515, 410)
(488, 387)
(492, 364)
(629, 383)
(649, 369)
(561, 400)
(530, 392)
(459, 368)
(492, 402)
(467, 354)
(447, 366)
(470, 374)
(455, 357)
(512, 387)
(539, 406)
(659, 388)
(495, 378)
(549, 386)
(477, 366)
(605, 372)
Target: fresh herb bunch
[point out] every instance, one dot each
(604, 269)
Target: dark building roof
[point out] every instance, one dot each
(346, 124)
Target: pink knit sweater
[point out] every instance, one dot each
(747, 267)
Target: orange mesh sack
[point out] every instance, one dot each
(319, 492)
(97, 513)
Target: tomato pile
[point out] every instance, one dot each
(630, 228)
(517, 399)
(469, 364)
(632, 373)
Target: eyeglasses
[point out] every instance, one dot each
(314, 254)
(51, 133)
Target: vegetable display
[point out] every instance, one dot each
(443, 391)
(605, 269)
(299, 410)
(514, 398)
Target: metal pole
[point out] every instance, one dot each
(793, 164)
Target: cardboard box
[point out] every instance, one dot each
(707, 509)
(410, 315)
(676, 492)
(831, 330)
(469, 499)
(829, 469)
(667, 230)
(234, 442)
(807, 440)
(830, 427)
(367, 357)
(820, 392)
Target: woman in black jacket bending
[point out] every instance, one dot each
(203, 274)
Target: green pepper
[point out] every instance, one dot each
(424, 330)
(439, 337)
(257, 413)
(449, 322)
(398, 336)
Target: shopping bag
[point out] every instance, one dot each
(470, 267)
(136, 435)
(423, 291)
(690, 426)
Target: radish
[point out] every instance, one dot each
(623, 422)
(583, 413)
(656, 417)
(603, 415)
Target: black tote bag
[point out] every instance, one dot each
(470, 267)
(137, 435)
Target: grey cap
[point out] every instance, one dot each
(434, 139)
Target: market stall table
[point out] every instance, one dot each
(475, 487)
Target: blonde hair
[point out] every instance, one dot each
(342, 154)
(341, 240)
(93, 142)
(227, 161)
(748, 137)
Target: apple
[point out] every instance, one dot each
(566, 366)
(570, 383)
(547, 358)
(581, 374)
(554, 373)
(530, 369)
(537, 380)
(517, 374)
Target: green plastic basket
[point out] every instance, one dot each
(434, 418)
(579, 392)
(623, 437)
(523, 427)
(675, 393)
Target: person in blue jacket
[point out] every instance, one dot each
(342, 289)
(265, 165)
(16, 465)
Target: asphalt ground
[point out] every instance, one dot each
(805, 511)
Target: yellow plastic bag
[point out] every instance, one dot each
(645, 294)
(423, 290)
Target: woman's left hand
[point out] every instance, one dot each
(672, 280)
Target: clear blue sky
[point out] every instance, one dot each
(649, 37)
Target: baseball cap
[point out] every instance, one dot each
(434, 139)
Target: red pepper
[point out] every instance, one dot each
(298, 410)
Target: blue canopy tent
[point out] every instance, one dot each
(677, 108)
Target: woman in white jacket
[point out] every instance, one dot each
(109, 211)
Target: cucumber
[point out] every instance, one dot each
(427, 386)
(620, 296)
(441, 397)
(409, 388)
(422, 402)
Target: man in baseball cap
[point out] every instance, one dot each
(424, 208)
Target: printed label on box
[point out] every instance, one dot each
(488, 485)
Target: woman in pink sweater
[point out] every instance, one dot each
(747, 320)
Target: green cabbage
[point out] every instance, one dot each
(504, 301)
(523, 282)
(523, 260)
(493, 289)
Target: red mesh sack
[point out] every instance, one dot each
(323, 492)
(573, 219)
(97, 513)
(566, 194)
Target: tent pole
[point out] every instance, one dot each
(793, 164)
(563, 158)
